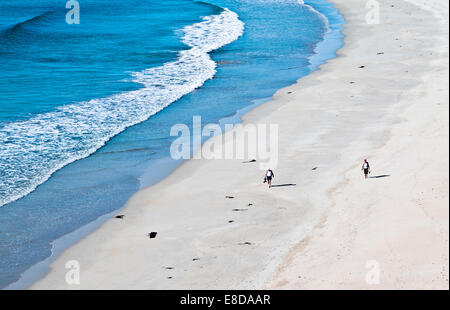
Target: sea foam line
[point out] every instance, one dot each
(32, 150)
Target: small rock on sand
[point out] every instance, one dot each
(245, 243)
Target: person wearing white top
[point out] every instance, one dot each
(269, 176)
(366, 168)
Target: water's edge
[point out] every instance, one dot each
(325, 50)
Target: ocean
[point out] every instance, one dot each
(86, 109)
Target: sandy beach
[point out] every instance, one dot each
(385, 98)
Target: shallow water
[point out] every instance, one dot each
(72, 91)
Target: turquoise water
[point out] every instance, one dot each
(86, 110)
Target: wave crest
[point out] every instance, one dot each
(18, 26)
(32, 150)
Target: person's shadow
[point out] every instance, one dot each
(380, 176)
(284, 185)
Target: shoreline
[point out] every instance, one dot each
(42, 268)
(324, 51)
(314, 136)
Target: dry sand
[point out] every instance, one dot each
(321, 231)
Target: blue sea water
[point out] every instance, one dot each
(86, 109)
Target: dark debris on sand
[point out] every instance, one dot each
(245, 243)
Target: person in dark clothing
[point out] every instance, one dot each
(366, 168)
(269, 176)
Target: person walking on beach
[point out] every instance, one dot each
(269, 176)
(366, 168)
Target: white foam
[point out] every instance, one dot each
(32, 150)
